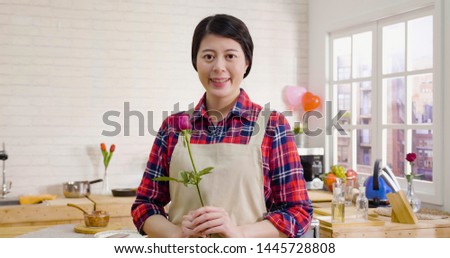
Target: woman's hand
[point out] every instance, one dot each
(188, 228)
(210, 220)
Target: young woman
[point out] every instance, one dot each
(256, 188)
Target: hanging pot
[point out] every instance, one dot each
(78, 189)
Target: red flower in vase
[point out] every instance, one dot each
(411, 157)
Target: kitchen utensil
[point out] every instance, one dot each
(96, 219)
(124, 192)
(388, 170)
(376, 188)
(78, 207)
(95, 204)
(78, 189)
(389, 181)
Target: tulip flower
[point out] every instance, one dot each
(103, 147)
(107, 155)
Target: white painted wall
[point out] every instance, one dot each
(331, 15)
(64, 63)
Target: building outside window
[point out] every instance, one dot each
(382, 74)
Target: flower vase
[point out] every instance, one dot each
(106, 190)
(299, 140)
(412, 197)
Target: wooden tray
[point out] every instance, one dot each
(81, 228)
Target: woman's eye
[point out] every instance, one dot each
(208, 57)
(231, 56)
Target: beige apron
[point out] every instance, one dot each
(235, 184)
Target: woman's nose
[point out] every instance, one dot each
(219, 65)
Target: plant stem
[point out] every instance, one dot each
(200, 195)
(189, 150)
(186, 135)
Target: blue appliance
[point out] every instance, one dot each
(376, 188)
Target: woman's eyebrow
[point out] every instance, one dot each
(227, 50)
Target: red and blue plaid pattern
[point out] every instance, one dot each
(288, 205)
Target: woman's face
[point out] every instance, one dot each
(221, 66)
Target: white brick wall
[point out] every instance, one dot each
(63, 63)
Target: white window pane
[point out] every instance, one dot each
(362, 55)
(395, 150)
(420, 43)
(364, 102)
(394, 48)
(394, 89)
(342, 58)
(422, 145)
(422, 98)
(344, 96)
(364, 151)
(344, 149)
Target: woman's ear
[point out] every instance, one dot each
(247, 63)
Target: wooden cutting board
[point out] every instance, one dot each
(320, 196)
(81, 228)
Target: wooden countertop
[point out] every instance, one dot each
(20, 219)
(425, 228)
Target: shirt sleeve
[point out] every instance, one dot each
(152, 196)
(290, 209)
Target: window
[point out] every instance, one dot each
(382, 74)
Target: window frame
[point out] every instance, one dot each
(430, 192)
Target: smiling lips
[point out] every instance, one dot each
(219, 82)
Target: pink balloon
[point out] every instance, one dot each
(293, 96)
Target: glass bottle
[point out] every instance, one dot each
(362, 204)
(105, 190)
(412, 197)
(338, 203)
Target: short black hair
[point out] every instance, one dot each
(226, 26)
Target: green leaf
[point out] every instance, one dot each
(205, 171)
(185, 176)
(167, 178)
(104, 153)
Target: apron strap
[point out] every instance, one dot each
(259, 130)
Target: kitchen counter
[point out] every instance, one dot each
(23, 219)
(378, 227)
(20, 219)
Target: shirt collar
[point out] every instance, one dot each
(243, 107)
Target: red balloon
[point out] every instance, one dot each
(310, 101)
